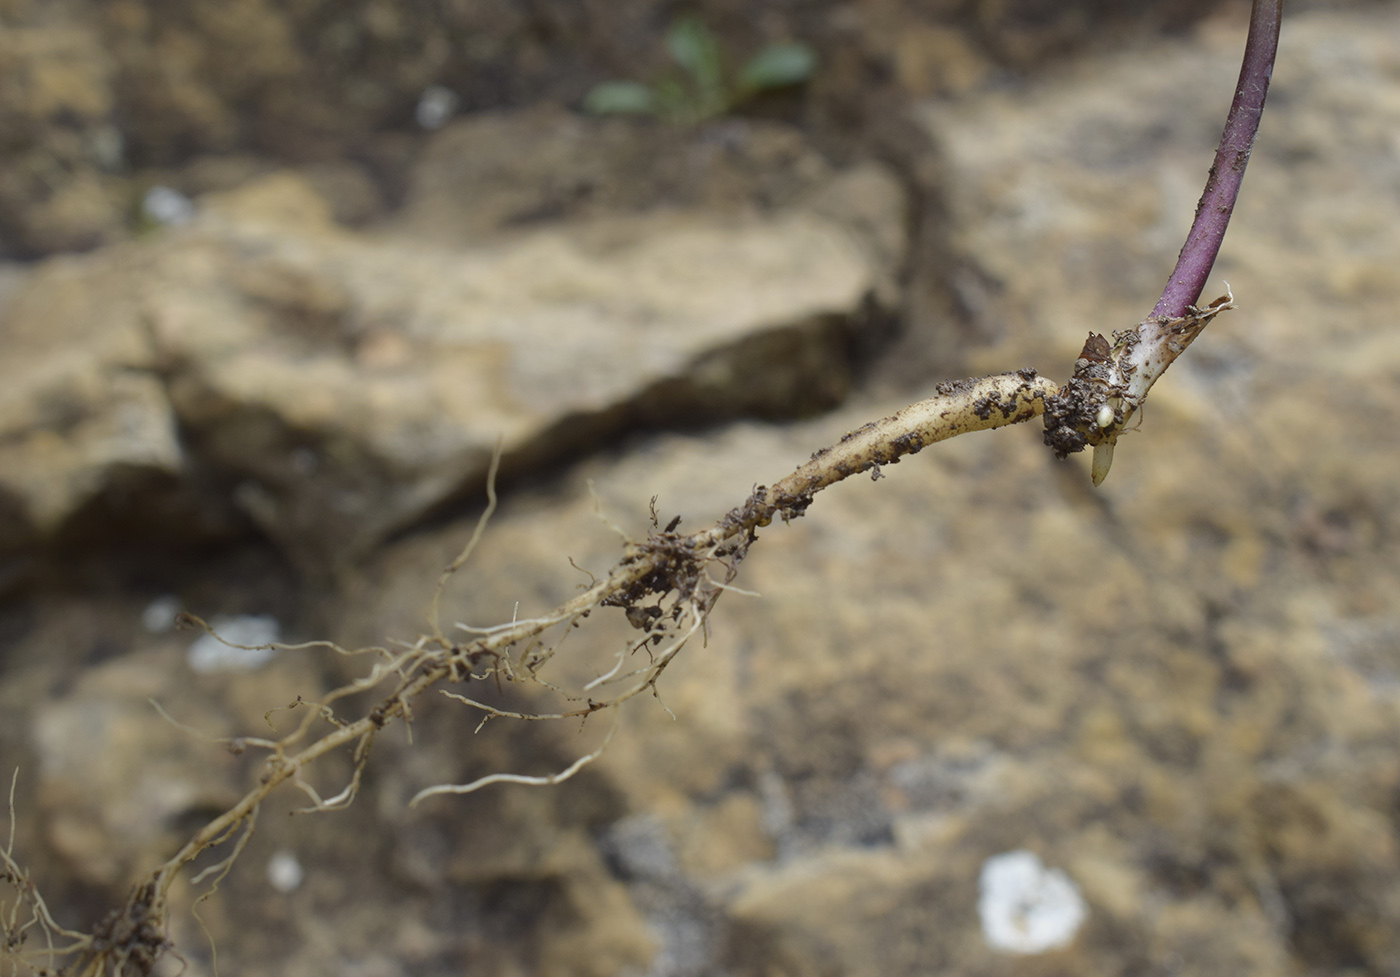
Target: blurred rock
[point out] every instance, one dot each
(114, 785)
(81, 409)
(60, 141)
(341, 385)
(118, 781)
(503, 170)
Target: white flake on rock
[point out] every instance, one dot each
(1025, 907)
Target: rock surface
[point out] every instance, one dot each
(1179, 690)
(340, 384)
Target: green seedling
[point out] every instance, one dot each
(702, 89)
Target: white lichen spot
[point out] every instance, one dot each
(159, 615)
(284, 872)
(436, 105)
(1025, 907)
(209, 654)
(167, 206)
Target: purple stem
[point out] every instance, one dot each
(1218, 200)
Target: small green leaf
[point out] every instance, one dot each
(620, 98)
(695, 48)
(778, 66)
